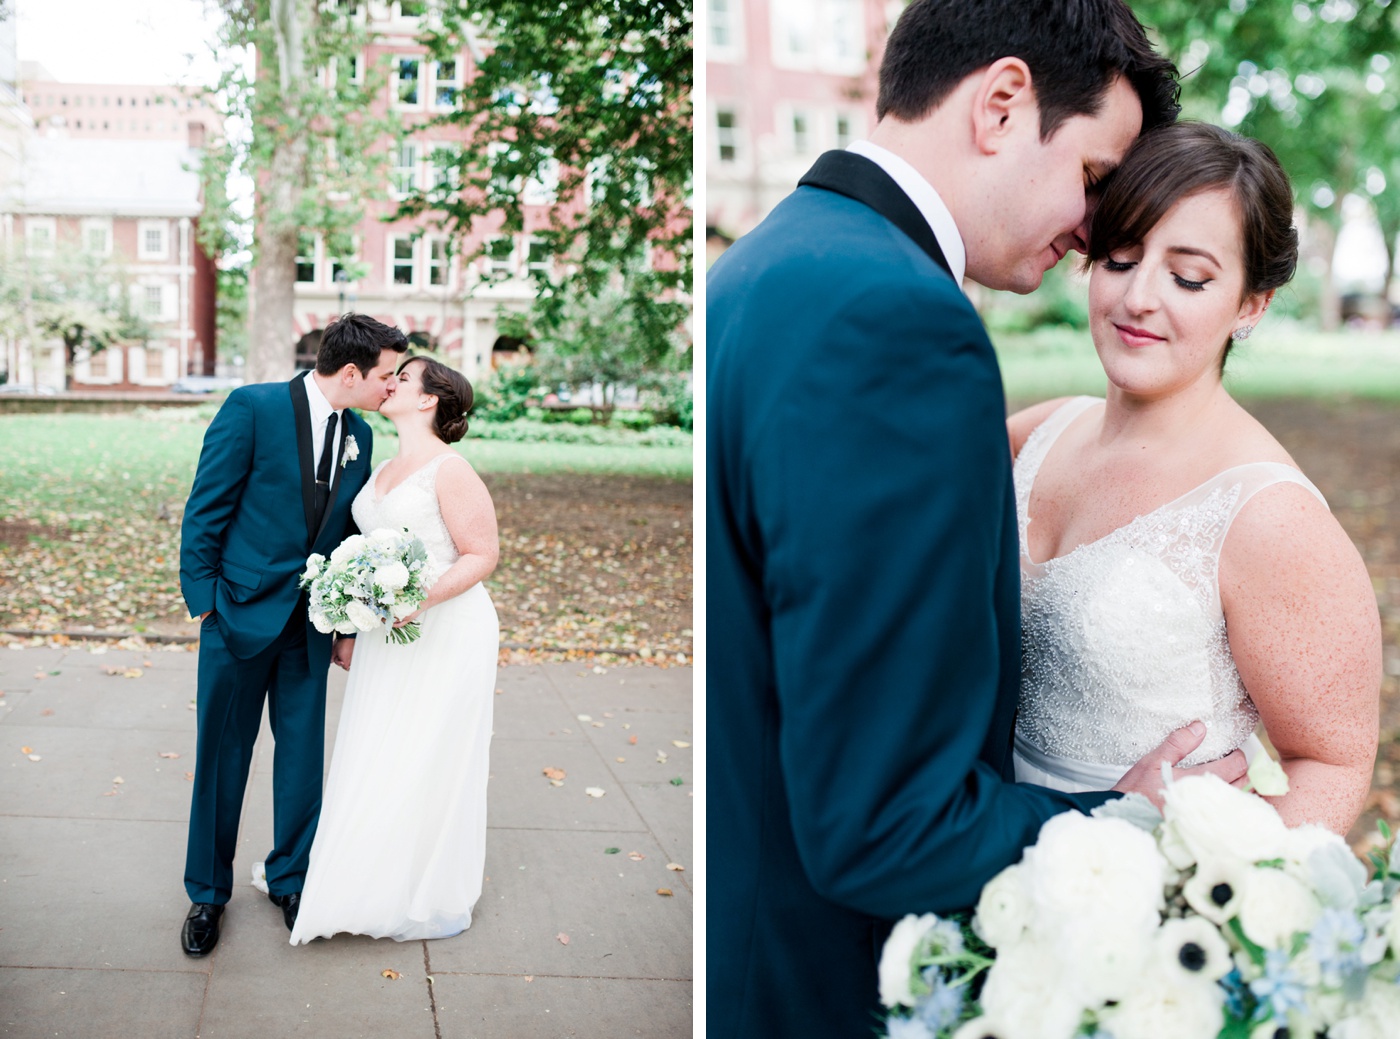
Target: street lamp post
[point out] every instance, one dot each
(342, 281)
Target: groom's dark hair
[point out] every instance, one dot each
(1074, 49)
(357, 339)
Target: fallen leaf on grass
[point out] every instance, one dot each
(667, 892)
(594, 791)
(680, 743)
(563, 938)
(392, 975)
(635, 856)
(675, 866)
(169, 754)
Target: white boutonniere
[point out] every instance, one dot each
(351, 452)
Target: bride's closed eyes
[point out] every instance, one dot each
(1118, 266)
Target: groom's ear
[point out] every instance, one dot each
(1003, 105)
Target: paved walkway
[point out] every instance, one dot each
(92, 838)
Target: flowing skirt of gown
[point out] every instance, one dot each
(401, 845)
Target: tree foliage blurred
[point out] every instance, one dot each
(1316, 80)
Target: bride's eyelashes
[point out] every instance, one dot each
(1117, 266)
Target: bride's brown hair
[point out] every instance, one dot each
(454, 394)
(1174, 162)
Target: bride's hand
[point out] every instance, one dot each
(411, 617)
(1146, 776)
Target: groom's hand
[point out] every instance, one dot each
(341, 652)
(1146, 776)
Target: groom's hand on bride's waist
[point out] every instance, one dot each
(1146, 776)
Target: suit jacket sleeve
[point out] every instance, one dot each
(879, 484)
(224, 464)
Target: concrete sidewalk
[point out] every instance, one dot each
(92, 899)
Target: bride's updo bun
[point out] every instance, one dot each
(455, 397)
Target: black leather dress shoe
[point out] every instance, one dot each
(201, 930)
(289, 905)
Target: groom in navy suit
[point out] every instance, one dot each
(862, 563)
(280, 465)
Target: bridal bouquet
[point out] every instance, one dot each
(370, 581)
(1212, 919)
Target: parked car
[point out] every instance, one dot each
(204, 384)
(24, 387)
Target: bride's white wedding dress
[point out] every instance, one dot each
(1123, 639)
(401, 844)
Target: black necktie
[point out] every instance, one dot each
(323, 470)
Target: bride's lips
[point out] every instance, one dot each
(1136, 336)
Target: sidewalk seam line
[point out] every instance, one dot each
(432, 995)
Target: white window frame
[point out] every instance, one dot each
(396, 171)
(811, 141)
(855, 126)
(449, 175)
(396, 82)
(97, 223)
(152, 294)
(732, 136)
(392, 263)
(36, 244)
(143, 227)
(113, 357)
(545, 265)
(313, 257)
(433, 264)
(454, 81)
(396, 13)
(504, 265)
(730, 15)
(826, 47)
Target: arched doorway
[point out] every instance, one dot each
(510, 350)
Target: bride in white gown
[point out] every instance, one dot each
(401, 843)
(1175, 563)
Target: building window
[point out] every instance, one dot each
(97, 365)
(401, 177)
(726, 30)
(537, 256)
(151, 240)
(446, 83)
(845, 129)
(97, 237)
(40, 233)
(406, 81)
(410, 8)
(727, 134)
(801, 125)
(500, 256)
(825, 35)
(152, 301)
(438, 261)
(444, 167)
(306, 259)
(402, 258)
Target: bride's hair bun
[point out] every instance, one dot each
(455, 397)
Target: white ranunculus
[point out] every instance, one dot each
(896, 972)
(347, 549)
(361, 615)
(1273, 906)
(1267, 776)
(1027, 995)
(321, 622)
(383, 537)
(1167, 1003)
(314, 563)
(1004, 910)
(391, 576)
(1101, 869)
(402, 610)
(1193, 946)
(1374, 1016)
(1213, 820)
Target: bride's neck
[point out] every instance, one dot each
(1175, 418)
(416, 441)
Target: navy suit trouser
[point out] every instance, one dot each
(229, 713)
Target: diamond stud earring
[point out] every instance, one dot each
(1241, 333)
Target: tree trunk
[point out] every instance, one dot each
(1329, 304)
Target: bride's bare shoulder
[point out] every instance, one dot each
(1022, 424)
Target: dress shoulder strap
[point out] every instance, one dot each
(1036, 447)
(1243, 482)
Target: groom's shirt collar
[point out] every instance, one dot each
(923, 195)
(321, 410)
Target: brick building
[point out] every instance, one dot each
(787, 80)
(86, 111)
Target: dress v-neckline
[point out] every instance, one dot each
(378, 498)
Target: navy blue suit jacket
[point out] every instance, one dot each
(247, 529)
(863, 605)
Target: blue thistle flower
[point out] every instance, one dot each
(1336, 944)
(942, 1007)
(1279, 991)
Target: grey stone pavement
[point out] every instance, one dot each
(92, 899)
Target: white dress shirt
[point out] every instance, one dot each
(923, 195)
(321, 411)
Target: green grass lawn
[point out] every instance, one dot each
(1281, 361)
(91, 505)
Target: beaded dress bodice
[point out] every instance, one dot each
(1123, 639)
(413, 504)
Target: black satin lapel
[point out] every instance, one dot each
(856, 177)
(337, 471)
(302, 410)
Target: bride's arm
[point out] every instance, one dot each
(1305, 633)
(470, 517)
(1022, 424)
